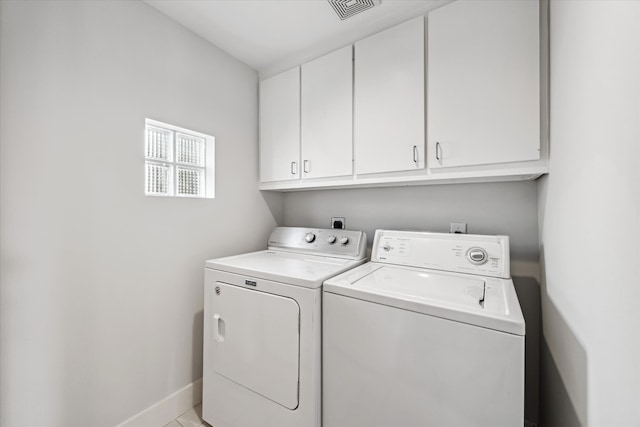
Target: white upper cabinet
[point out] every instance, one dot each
(356, 117)
(327, 115)
(483, 86)
(280, 127)
(389, 100)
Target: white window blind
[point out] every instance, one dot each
(178, 162)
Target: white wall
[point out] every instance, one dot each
(101, 287)
(590, 217)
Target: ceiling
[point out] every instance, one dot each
(274, 35)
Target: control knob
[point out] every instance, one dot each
(344, 240)
(477, 256)
(310, 237)
(331, 239)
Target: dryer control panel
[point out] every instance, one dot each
(340, 243)
(462, 253)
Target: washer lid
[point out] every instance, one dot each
(468, 293)
(481, 301)
(304, 270)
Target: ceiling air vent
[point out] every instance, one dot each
(347, 8)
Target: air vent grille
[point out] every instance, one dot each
(347, 8)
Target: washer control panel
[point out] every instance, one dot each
(462, 253)
(332, 242)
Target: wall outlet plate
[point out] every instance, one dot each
(337, 222)
(458, 228)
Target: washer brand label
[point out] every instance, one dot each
(250, 283)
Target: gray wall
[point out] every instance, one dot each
(499, 208)
(101, 287)
(590, 218)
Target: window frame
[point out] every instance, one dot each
(207, 168)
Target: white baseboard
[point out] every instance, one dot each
(165, 411)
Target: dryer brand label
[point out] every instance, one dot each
(250, 283)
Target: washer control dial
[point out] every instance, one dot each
(310, 237)
(344, 240)
(477, 256)
(331, 239)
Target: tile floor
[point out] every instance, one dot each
(191, 418)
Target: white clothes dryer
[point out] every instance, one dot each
(429, 333)
(262, 328)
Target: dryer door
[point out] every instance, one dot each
(254, 341)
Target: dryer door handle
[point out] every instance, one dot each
(218, 328)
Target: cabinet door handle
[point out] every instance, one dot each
(294, 168)
(438, 152)
(306, 166)
(415, 154)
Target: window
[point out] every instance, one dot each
(178, 162)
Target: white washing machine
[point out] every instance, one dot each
(262, 328)
(429, 333)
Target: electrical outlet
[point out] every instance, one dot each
(337, 222)
(458, 228)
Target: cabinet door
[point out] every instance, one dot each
(280, 127)
(483, 83)
(327, 115)
(389, 100)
